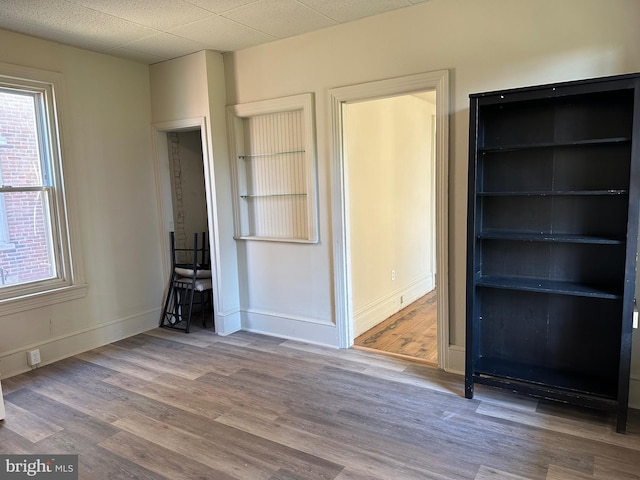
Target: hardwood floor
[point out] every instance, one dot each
(166, 405)
(412, 332)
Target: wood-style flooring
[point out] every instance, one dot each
(412, 332)
(166, 405)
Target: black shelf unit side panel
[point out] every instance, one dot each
(473, 220)
(631, 266)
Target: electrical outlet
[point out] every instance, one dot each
(393, 274)
(33, 357)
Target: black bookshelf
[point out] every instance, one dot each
(554, 193)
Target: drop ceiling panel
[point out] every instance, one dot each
(72, 24)
(280, 18)
(136, 55)
(220, 6)
(165, 46)
(341, 11)
(221, 34)
(159, 14)
(39, 12)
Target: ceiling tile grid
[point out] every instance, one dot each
(220, 6)
(158, 14)
(150, 31)
(280, 18)
(342, 12)
(222, 34)
(164, 44)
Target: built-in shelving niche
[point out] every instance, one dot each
(274, 169)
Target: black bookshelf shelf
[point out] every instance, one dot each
(569, 381)
(556, 193)
(547, 286)
(553, 145)
(548, 237)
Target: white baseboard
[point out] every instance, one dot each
(455, 360)
(301, 329)
(14, 362)
(382, 308)
(228, 322)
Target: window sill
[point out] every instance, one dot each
(42, 299)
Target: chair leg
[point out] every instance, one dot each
(170, 299)
(202, 310)
(189, 293)
(178, 306)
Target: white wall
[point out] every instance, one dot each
(486, 45)
(388, 150)
(107, 155)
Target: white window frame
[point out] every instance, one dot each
(69, 282)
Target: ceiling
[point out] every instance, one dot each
(151, 31)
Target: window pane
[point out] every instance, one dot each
(20, 151)
(28, 255)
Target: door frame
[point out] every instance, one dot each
(164, 198)
(438, 81)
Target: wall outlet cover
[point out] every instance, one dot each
(33, 357)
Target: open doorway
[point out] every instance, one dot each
(345, 289)
(189, 206)
(184, 197)
(389, 147)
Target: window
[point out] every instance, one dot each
(35, 252)
(273, 144)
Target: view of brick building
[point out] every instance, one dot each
(25, 245)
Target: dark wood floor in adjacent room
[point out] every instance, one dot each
(165, 405)
(412, 332)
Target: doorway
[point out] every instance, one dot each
(184, 192)
(389, 147)
(344, 248)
